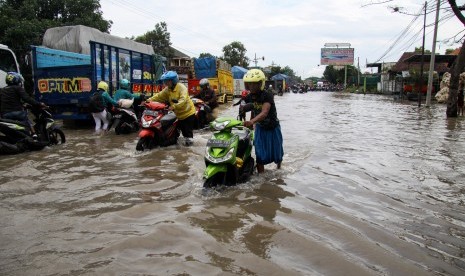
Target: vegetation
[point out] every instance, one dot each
(159, 39)
(234, 54)
(336, 76)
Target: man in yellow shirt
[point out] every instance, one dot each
(177, 96)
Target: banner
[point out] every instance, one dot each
(337, 56)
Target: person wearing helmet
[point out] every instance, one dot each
(12, 98)
(242, 102)
(99, 103)
(123, 93)
(268, 139)
(208, 95)
(177, 95)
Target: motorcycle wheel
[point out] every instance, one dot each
(248, 170)
(56, 136)
(144, 143)
(214, 181)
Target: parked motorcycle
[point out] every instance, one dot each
(159, 127)
(228, 156)
(15, 137)
(203, 113)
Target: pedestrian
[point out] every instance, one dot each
(242, 103)
(176, 94)
(268, 139)
(99, 102)
(128, 98)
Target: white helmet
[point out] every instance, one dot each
(204, 83)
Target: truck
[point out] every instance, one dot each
(65, 80)
(8, 63)
(218, 72)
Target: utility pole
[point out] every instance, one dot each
(255, 60)
(422, 57)
(433, 57)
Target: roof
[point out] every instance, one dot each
(412, 60)
(178, 54)
(449, 59)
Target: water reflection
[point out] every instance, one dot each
(368, 186)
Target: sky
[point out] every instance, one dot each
(289, 32)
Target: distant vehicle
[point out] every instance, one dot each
(8, 63)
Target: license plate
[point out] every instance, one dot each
(151, 113)
(214, 143)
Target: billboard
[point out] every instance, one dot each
(337, 56)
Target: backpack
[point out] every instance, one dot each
(96, 102)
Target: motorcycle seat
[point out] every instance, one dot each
(168, 119)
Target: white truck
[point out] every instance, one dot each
(8, 63)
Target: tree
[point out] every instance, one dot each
(457, 67)
(159, 38)
(24, 22)
(336, 76)
(205, 55)
(234, 54)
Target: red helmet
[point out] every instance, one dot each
(244, 93)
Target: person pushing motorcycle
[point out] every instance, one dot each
(176, 94)
(268, 139)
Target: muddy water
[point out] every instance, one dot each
(369, 186)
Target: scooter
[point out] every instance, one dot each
(124, 121)
(159, 127)
(228, 156)
(15, 137)
(203, 113)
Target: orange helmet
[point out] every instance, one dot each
(244, 93)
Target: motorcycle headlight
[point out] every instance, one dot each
(146, 123)
(219, 125)
(216, 160)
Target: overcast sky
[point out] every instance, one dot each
(287, 33)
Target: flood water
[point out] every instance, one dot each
(368, 186)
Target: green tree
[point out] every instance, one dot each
(419, 49)
(159, 38)
(205, 55)
(234, 54)
(331, 74)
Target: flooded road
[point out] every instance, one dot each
(368, 186)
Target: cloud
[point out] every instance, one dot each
(288, 33)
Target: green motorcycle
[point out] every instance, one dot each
(228, 156)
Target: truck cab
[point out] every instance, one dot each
(8, 63)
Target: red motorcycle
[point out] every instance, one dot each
(159, 127)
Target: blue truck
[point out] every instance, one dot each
(65, 80)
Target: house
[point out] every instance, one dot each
(410, 63)
(179, 62)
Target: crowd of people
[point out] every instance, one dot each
(268, 140)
